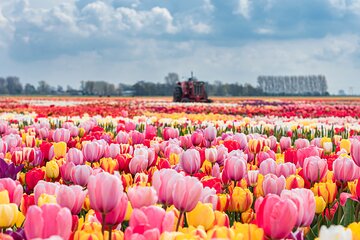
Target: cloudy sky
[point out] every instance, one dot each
(66, 41)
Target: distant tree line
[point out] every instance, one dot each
(11, 85)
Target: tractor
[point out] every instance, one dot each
(191, 90)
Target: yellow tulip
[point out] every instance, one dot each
(345, 144)
(249, 231)
(355, 230)
(320, 204)
(8, 215)
(247, 216)
(241, 200)
(201, 215)
(279, 158)
(352, 187)
(222, 233)
(20, 220)
(81, 132)
(327, 190)
(174, 158)
(4, 197)
(108, 164)
(45, 199)
(196, 233)
(206, 167)
(324, 140)
(223, 202)
(89, 231)
(221, 219)
(52, 169)
(59, 149)
(128, 213)
(115, 235)
(86, 204)
(258, 190)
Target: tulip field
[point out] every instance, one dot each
(146, 168)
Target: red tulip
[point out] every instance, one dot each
(276, 216)
(32, 177)
(48, 220)
(26, 202)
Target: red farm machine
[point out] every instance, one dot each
(191, 90)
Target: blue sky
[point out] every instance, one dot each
(66, 41)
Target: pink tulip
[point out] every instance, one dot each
(169, 133)
(45, 187)
(303, 153)
(276, 216)
(112, 151)
(75, 156)
(12, 141)
(71, 197)
(61, 135)
(345, 169)
(285, 143)
(65, 171)
(46, 221)
(211, 154)
(285, 169)
(235, 168)
(100, 187)
(222, 153)
(208, 195)
(190, 161)
(136, 137)
(44, 133)
(305, 204)
(163, 182)
(150, 132)
(138, 164)
(301, 143)
(252, 177)
(216, 171)
(130, 126)
(185, 141)
(241, 139)
(14, 189)
(148, 223)
(74, 131)
(314, 168)
(271, 142)
(67, 125)
(186, 193)
(210, 133)
(117, 215)
(273, 184)
(3, 146)
(92, 151)
(28, 154)
(197, 138)
(142, 196)
(148, 153)
(172, 148)
(261, 156)
(80, 174)
(122, 137)
(355, 151)
(268, 166)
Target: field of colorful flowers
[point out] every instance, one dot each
(147, 168)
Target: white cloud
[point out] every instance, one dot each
(243, 8)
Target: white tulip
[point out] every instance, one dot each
(335, 233)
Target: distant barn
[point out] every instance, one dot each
(293, 85)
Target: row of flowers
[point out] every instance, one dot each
(153, 178)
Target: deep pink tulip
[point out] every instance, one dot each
(261, 156)
(186, 193)
(46, 221)
(100, 187)
(285, 143)
(71, 197)
(65, 171)
(276, 216)
(3, 146)
(222, 153)
(163, 181)
(149, 222)
(305, 204)
(190, 161)
(273, 184)
(140, 196)
(197, 138)
(345, 169)
(314, 168)
(45, 187)
(80, 174)
(117, 215)
(14, 189)
(301, 143)
(235, 168)
(210, 133)
(185, 141)
(169, 133)
(136, 137)
(211, 154)
(150, 132)
(122, 137)
(92, 151)
(138, 164)
(306, 152)
(130, 126)
(285, 169)
(61, 135)
(268, 166)
(75, 156)
(355, 151)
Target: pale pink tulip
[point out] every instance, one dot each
(190, 161)
(75, 156)
(71, 197)
(80, 174)
(140, 196)
(163, 181)
(186, 193)
(138, 164)
(285, 169)
(45, 187)
(273, 184)
(92, 151)
(314, 168)
(235, 168)
(268, 166)
(61, 135)
(345, 169)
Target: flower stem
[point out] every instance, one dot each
(179, 219)
(103, 224)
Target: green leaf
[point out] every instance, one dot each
(349, 212)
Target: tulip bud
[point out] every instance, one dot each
(320, 204)
(52, 169)
(202, 215)
(241, 200)
(327, 190)
(8, 215)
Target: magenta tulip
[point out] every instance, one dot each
(46, 221)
